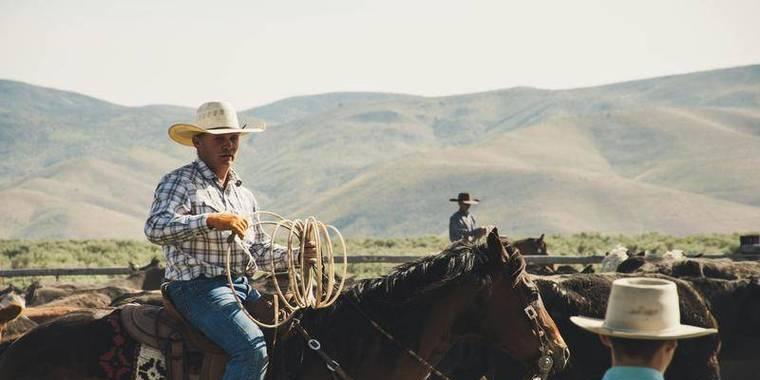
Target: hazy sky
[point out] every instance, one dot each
(251, 52)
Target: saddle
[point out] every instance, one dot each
(164, 328)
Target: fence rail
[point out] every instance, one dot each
(542, 260)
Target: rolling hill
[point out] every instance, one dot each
(675, 154)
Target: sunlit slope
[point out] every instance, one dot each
(675, 154)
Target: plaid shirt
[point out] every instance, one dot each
(177, 221)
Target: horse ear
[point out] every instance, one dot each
(541, 238)
(496, 252)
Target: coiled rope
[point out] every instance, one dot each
(311, 284)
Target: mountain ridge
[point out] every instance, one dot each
(675, 154)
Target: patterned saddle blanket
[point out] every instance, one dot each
(164, 334)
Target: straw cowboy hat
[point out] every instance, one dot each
(216, 118)
(465, 198)
(642, 308)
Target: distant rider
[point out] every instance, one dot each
(462, 223)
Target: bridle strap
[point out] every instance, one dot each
(545, 362)
(400, 345)
(333, 366)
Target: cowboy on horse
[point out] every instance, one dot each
(196, 210)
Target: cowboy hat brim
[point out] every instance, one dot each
(470, 202)
(183, 133)
(678, 332)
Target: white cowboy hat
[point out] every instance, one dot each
(216, 118)
(642, 308)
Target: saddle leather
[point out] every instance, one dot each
(165, 329)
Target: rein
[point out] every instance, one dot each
(313, 344)
(401, 346)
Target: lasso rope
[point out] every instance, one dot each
(307, 280)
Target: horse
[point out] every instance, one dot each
(586, 294)
(394, 327)
(535, 246)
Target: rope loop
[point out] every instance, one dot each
(310, 284)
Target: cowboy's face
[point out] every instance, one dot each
(217, 151)
(463, 206)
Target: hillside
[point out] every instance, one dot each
(677, 154)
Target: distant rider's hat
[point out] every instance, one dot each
(465, 198)
(642, 308)
(216, 118)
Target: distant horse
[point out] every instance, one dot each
(537, 247)
(466, 292)
(581, 294)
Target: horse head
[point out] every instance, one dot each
(532, 246)
(516, 320)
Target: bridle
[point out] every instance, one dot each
(545, 362)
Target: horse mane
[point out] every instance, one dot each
(459, 262)
(409, 290)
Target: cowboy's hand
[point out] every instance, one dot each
(479, 232)
(226, 221)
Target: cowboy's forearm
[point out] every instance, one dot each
(170, 219)
(167, 228)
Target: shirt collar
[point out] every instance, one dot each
(639, 373)
(209, 175)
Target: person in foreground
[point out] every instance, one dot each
(462, 223)
(195, 211)
(641, 327)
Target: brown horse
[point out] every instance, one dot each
(535, 246)
(465, 292)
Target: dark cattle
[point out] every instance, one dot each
(565, 296)
(73, 295)
(16, 328)
(736, 306)
(569, 269)
(702, 267)
(148, 277)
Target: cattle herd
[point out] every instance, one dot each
(713, 292)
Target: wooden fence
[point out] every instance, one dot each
(582, 260)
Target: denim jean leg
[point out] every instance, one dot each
(210, 306)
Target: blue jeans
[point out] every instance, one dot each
(210, 306)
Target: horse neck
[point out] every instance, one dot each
(446, 316)
(424, 325)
